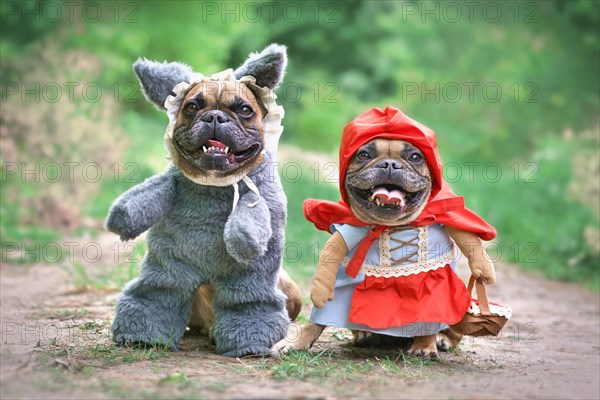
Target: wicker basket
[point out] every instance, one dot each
(483, 318)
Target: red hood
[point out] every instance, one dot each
(390, 123)
(443, 206)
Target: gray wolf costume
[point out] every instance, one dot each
(215, 217)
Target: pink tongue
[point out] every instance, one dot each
(388, 197)
(217, 144)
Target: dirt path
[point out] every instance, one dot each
(56, 344)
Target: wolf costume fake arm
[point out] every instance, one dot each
(142, 206)
(248, 229)
(246, 233)
(136, 210)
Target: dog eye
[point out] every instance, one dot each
(191, 107)
(245, 111)
(415, 157)
(363, 156)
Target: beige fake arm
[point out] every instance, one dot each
(324, 281)
(470, 245)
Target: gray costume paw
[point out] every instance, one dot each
(241, 335)
(119, 222)
(152, 309)
(248, 230)
(141, 206)
(249, 322)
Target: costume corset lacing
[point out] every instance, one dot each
(413, 257)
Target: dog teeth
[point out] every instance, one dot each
(213, 149)
(377, 201)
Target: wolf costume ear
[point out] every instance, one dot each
(158, 79)
(268, 66)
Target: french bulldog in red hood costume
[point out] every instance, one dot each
(389, 266)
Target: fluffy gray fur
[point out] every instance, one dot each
(268, 66)
(195, 238)
(158, 79)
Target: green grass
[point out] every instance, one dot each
(60, 315)
(303, 241)
(407, 367)
(113, 355)
(540, 224)
(92, 325)
(22, 243)
(108, 276)
(101, 355)
(178, 379)
(330, 364)
(324, 364)
(144, 157)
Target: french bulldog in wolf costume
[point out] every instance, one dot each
(215, 217)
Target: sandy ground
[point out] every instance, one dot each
(56, 344)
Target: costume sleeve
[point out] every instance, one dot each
(351, 234)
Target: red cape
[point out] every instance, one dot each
(444, 207)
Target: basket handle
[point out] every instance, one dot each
(484, 306)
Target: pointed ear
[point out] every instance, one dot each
(268, 66)
(158, 79)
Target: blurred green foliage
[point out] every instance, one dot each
(509, 83)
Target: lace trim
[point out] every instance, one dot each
(499, 310)
(405, 269)
(423, 243)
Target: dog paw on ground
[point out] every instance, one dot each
(448, 339)
(282, 347)
(424, 347)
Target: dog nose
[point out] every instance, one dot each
(215, 115)
(391, 164)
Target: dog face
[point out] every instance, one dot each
(219, 130)
(388, 182)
